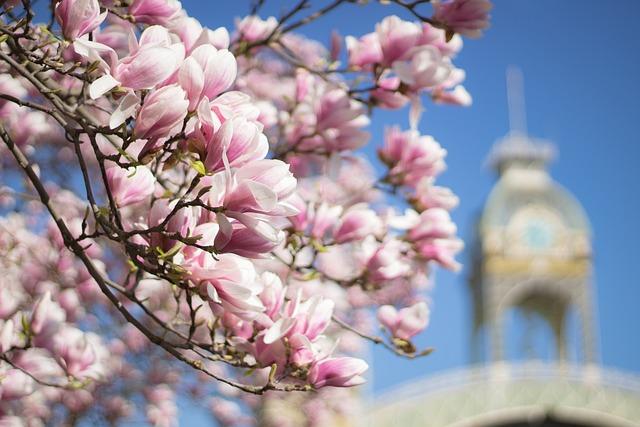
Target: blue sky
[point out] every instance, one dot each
(581, 62)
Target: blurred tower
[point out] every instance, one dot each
(532, 254)
(533, 249)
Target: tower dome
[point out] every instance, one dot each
(527, 212)
(533, 244)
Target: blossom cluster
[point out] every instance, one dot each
(191, 212)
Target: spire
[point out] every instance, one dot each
(515, 99)
(517, 147)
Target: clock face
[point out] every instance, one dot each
(535, 230)
(538, 234)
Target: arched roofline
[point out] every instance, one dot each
(502, 198)
(510, 392)
(535, 413)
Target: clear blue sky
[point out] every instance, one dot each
(581, 63)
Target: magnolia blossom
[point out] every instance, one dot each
(181, 222)
(162, 114)
(397, 38)
(253, 28)
(41, 313)
(15, 384)
(230, 282)
(237, 142)
(384, 261)
(326, 119)
(357, 223)
(411, 156)
(206, 73)
(152, 59)
(153, 11)
(457, 96)
(434, 237)
(251, 194)
(337, 372)
(467, 17)
(427, 68)
(364, 51)
(433, 196)
(387, 94)
(404, 323)
(78, 17)
(130, 186)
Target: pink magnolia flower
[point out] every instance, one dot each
(309, 318)
(425, 69)
(75, 352)
(15, 385)
(364, 51)
(451, 91)
(411, 157)
(233, 103)
(433, 224)
(237, 142)
(151, 61)
(130, 186)
(434, 237)
(397, 38)
(442, 251)
(432, 196)
(154, 11)
(466, 17)
(339, 120)
(229, 282)
(337, 372)
(384, 261)
(118, 407)
(437, 37)
(206, 73)
(458, 96)
(78, 17)
(42, 310)
(162, 410)
(273, 293)
(323, 218)
(253, 195)
(183, 222)
(161, 116)
(253, 28)
(304, 82)
(227, 412)
(357, 223)
(193, 34)
(246, 242)
(115, 35)
(407, 322)
(388, 95)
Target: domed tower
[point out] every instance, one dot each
(533, 248)
(532, 255)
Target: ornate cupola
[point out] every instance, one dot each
(533, 246)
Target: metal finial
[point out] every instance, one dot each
(515, 98)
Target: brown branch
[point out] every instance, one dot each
(381, 341)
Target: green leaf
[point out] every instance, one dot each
(171, 252)
(26, 325)
(318, 246)
(199, 167)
